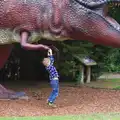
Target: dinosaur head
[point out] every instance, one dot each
(95, 22)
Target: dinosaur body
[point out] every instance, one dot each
(36, 16)
(58, 20)
(27, 21)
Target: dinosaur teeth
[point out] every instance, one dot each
(114, 4)
(118, 28)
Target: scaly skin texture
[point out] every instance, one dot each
(27, 21)
(57, 20)
(42, 18)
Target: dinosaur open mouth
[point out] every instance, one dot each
(109, 17)
(106, 5)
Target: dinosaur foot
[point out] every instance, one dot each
(18, 95)
(15, 96)
(6, 94)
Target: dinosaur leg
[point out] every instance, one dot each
(6, 94)
(5, 51)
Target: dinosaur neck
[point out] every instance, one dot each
(58, 6)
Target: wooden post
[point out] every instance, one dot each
(82, 74)
(88, 74)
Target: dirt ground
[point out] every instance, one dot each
(72, 100)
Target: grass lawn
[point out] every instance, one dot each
(112, 116)
(113, 80)
(103, 83)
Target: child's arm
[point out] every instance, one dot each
(50, 55)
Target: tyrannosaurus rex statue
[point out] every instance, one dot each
(27, 21)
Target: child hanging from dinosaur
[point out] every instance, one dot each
(48, 62)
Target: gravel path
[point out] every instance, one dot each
(72, 100)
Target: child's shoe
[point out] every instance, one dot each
(52, 105)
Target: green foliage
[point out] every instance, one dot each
(107, 58)
(114, 13)
(117, 88)
(68, 65)
(78, 76)
(112, 60)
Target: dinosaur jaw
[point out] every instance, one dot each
(106, 30)
(111, 20)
